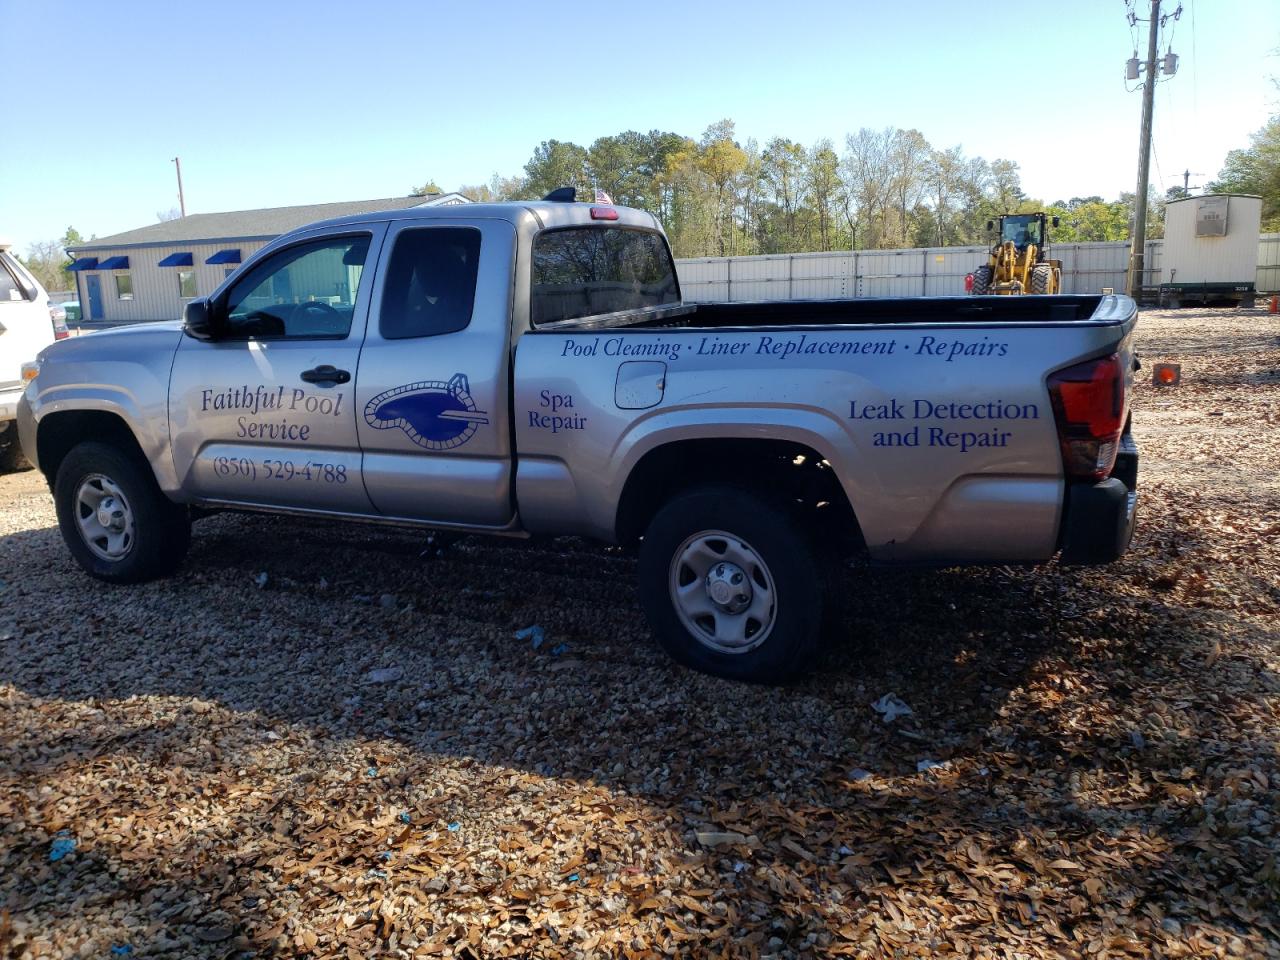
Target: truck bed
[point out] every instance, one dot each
(933, 311)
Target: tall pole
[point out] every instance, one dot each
(1137, 254)
(182, 202)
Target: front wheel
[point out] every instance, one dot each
(1043, 279)
(114, 518)
(982, 281)
(731, 585)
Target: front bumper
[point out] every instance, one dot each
(1099, 518)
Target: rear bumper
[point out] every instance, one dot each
(1099, 518)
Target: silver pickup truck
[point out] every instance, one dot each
(529, 368)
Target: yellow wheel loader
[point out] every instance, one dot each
(1017, 263)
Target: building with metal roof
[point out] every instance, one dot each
(152, 272)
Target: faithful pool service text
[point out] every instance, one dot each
(263, 399)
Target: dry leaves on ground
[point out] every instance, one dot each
(1089, 768)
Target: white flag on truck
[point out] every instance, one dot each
(602, 197)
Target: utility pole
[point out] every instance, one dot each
(1137, 252)
(182, 203)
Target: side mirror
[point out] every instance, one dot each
(1055, 222)
(991, 225)
(201, 320)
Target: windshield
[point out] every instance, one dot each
(1022, 231)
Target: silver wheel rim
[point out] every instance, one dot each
(104, 517)
(723, 592)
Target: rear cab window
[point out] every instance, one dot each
(593, 270)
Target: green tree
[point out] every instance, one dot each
(783, 174)
(824, 190)
(48, 261)
(617, 165)
(866, 172)
(556, 164)
(1006, 185)
(722, 162)
(944, 180)
(1090, 220)
(426, 190)
(45, 260)
(1255, 169)
(1155, 212)
(909, 157)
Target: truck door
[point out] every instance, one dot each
(265, 413)
(431, 394)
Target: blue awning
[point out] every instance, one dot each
(85, 263)
(225, 256)
(176, 260)
(114, 263)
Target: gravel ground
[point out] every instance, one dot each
(356, 758)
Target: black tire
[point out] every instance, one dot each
(11, 458)
(982, 281)
(767, 532)
(1042, 278)
(159, 533)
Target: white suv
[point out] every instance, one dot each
(27, 326)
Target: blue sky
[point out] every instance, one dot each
(277, 103)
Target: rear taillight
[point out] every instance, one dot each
(1089, 407)
(604, 213)
(60, 331)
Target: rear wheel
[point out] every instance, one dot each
(1042, 279)
(114, 519)
(731, 585)
(982, 281)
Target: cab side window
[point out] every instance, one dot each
(306, 291)
(430, 287)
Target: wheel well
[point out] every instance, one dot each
(792, 471)
(59, 432)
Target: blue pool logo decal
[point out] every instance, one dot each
(434, 415)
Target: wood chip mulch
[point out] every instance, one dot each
(354, 757)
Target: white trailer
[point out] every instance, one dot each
(1210, 249)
